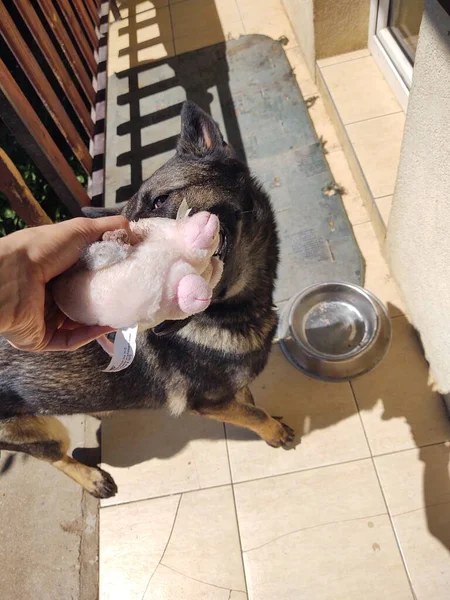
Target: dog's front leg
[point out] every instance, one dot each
(242, 412)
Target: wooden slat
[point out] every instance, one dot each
(44, 42)
(68, 48)
(22, 201)
(93, 10)
(86, 21)
(19, 116)
(78, 34)
(35, 75)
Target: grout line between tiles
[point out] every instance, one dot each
(384, 196)
(168, 495)
(341, 62)
(235, 510)
(396, 112)
(171, 25)
(305, 470)
(384, 497)
(240, 13)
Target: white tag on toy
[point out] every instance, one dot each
(183, 210)
(124, 349)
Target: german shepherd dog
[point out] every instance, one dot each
(204, 364)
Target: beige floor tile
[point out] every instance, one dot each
(351, 198)
(398, 409)
(377, 144)
(144, 26)
(305, 83)
(205, 543)
(425, 543)
(384, 206)
(415, 478)
(269, 19)
(148, 52)
(209, 37)
(144, 37)
(193, 16)
(323, 414)
(277, 506)
(349, 560)
(378, 224)
(359, 90)
(377, 275)
(139, 6)
(133, 538)
(237, 596)
(160, 101)
(322, 124)
(151, 454)
(168, 584)
(298, 64)
(150, 165)
(340, 58)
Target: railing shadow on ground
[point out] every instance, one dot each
(156, 89)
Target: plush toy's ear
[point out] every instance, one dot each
(94, 212)
(200, 135)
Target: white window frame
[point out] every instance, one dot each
(387, 53)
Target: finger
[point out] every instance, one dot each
(65, 339)
(64, 242)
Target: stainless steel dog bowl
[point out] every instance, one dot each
(335, 331)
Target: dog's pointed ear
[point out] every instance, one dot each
(200, 134)
(95, 212)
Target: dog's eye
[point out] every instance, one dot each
(159, 201)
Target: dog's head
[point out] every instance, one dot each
(206, 173)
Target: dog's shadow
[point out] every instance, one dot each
(127, 438)
(132, 437)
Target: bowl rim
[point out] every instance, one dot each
(309, 350)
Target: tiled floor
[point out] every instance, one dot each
(359, 510)
(372, 122)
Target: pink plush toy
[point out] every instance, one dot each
(168, 272)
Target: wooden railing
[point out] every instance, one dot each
(66, 33)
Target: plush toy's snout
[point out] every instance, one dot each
(201, 231)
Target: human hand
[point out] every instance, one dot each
(29, 259)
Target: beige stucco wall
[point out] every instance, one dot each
(328, 27)
(418, 240)
(340, 26)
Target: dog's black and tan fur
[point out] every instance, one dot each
(206, 366)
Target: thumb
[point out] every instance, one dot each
(67, 240)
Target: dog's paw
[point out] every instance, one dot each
(102, 485)
(283, 436)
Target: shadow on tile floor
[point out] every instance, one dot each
(398, 411)
(152, 91)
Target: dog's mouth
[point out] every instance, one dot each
(223, 245)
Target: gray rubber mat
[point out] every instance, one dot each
(249, 88)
